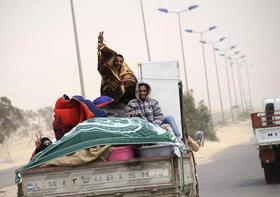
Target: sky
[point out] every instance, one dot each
(38, 61)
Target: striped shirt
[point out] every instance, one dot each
(148, 109)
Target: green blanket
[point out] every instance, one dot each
(102, 131)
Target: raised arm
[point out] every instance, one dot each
(106, 56)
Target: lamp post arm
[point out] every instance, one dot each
(174, 12)
(182, 11)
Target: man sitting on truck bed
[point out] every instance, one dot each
(145, 107)
(118, 80)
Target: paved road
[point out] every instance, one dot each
(7, 177)
(236, 172)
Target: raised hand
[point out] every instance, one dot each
(100, 38)
(38, 141)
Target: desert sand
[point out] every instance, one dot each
(20, 149)
(229, 135)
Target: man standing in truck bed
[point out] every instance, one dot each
(118, 80)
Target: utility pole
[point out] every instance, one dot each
(77, 50)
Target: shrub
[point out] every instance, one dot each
(197, 118)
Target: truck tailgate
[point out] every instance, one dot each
(267, 135)
(107, 178)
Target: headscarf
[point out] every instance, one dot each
(42, 146)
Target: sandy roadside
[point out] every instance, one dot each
(17, 150)
(19, 154)
(229, 135)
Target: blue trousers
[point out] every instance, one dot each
(170, 120)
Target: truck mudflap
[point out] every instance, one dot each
(161, 176)
(267, 154)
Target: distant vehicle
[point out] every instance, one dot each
(151, 174)
(199, 137)
(266, 127)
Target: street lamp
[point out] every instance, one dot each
(178, 13)
(204, 62)
(77, 49)
(227, 76)
(217, 73)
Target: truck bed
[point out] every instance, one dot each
(160, 176)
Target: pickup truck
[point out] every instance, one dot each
(157, 176)
(266, 128)
(172, 173)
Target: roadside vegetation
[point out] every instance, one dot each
(14, 121)
(197, 117)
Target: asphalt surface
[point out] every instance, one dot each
(7, 177)
(236, 172)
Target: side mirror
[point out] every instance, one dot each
(199, 138)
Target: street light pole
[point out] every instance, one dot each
(229, 90)
(234, 87)
(217, 73)
(204, 64)
(206, 77)
(77, 50)
(181, 37)
(145, 31)
(241, 82)
(249, 87)
(242, 88)
(183, 53)
(218, 83)
(240, 85)
(227, 77)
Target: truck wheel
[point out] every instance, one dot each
(269, 173)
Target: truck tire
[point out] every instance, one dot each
(269, 173)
